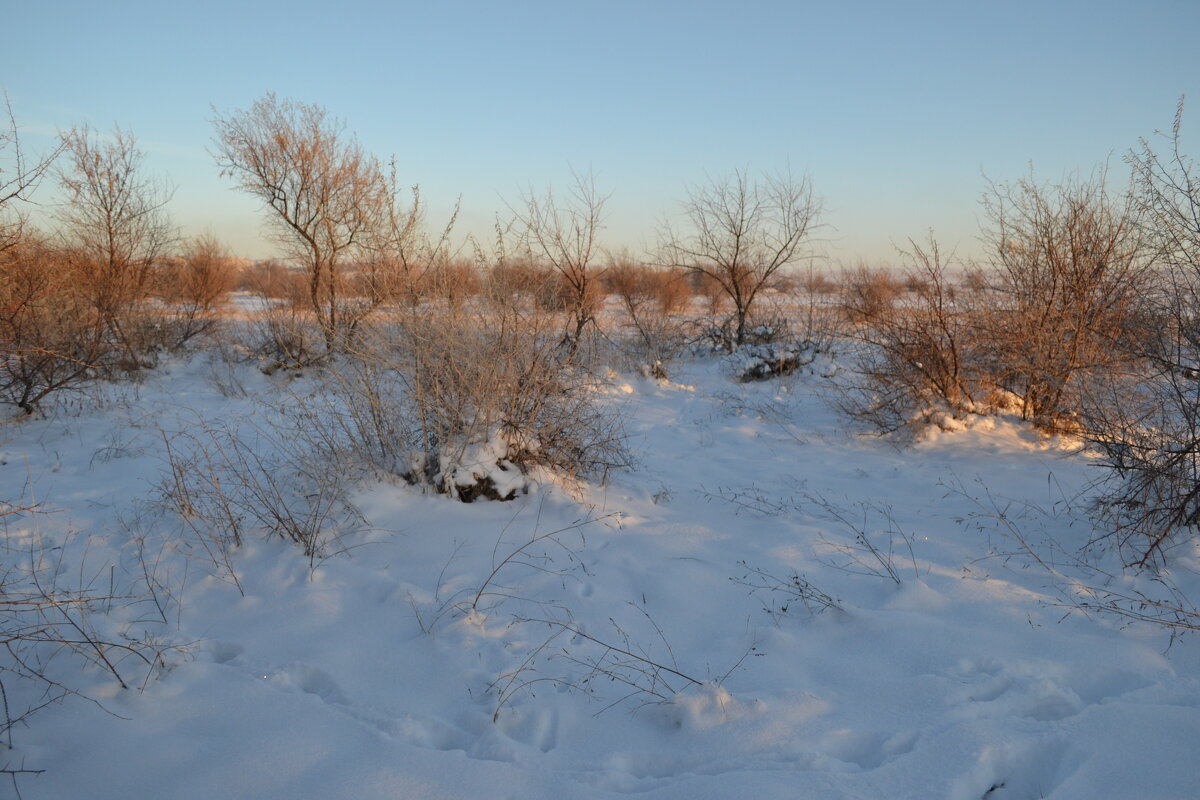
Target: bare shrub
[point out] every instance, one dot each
(285, 336)
(555, 551)
(52, 338)
(632, 654)
(868, 545)
(281, 331)
(1145, 419)
(641, 285)
(521, 280)
(273, 280)
(194, 286)
(454, 282)
(52, 627)
(224, 483)
(205, 276)
(919, 359)
(671, 290)
(1058, 306)
(1068, 266)
(43, 618)
(974, 280)
(708, 289)
(869, 293)
(814, 311)
(760, 362)
(620, 656)
(816, 282)
(648, 297)
(794, 587)
(467, 401)
(1081, 581)
(493, 399)
(871, 538)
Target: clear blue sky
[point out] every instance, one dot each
(897, 110)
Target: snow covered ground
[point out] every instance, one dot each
(646, 638)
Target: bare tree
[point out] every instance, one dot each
(328, 197)
(115, 226)
(741, 232)
(19, 176)
(564, 232)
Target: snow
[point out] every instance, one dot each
(450, 650)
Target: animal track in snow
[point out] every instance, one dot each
(309, 680)
(224, 652)
(868, 749)
(994, 689)
(531, 726)
(1019, 771)
(486, 742)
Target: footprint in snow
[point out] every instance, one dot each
(532, 726)
(309, 680)
(1018, 690)
(868, 749)
(1022, 770)
(224, 652)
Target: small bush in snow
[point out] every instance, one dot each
(760, 362)
(472, 469)
(223, 482)
(480, 400)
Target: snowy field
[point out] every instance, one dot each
(764, 606)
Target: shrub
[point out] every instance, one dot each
(760, 362)
(1144, 419)
(469, 402)
(918, 359)
(224, 482)
(193, 287)
(868, 293)
(649, 296)
(1067, 267)
(52, 338)
(273, 280)
(493, 399)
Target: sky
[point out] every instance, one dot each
(900, 112)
